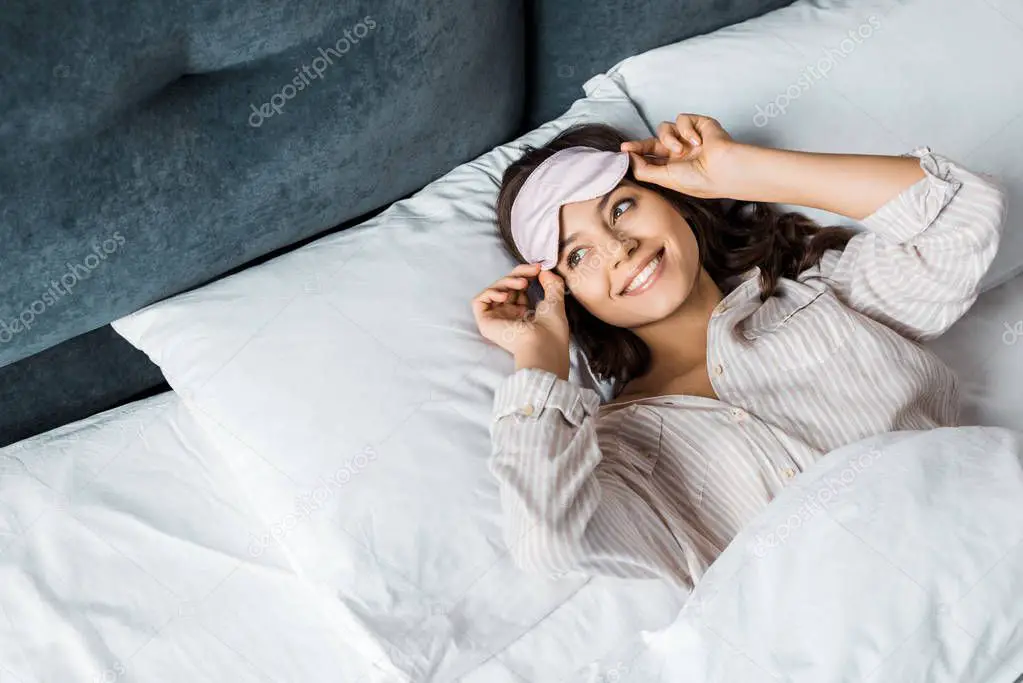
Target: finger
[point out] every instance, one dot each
(686, 124)
(480, 306)
(497, 296)
(709, 126)
(669, 137)
(525, 270)
(647, 171)
(515, 311)
(505, 286)
(511, 282)
(553, 291)
(506, 312)
(652, 146)
(487, 300)
(657, 161)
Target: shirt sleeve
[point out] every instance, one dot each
(918, 265)
(564, 510)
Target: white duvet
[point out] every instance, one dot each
(898, 558)
(127, 556)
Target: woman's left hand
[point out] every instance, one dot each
(691, 156)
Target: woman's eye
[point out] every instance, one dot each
(574, 258)
(615, 209)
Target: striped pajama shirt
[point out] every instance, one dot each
(657, 487)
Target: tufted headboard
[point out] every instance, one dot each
(148, 148)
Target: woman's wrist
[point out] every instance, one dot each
(748, 172)
(540, 359)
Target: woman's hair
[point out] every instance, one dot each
(731, 240)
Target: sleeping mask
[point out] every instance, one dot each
(575, 174)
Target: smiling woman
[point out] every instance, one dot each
(608, 240)
(744, 344)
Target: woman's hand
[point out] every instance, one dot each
(537, 339)
(693, 156)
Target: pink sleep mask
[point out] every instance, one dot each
(575, 174)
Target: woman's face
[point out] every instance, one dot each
(628, 257)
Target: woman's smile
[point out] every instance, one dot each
(646, 278)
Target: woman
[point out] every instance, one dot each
(743, 344)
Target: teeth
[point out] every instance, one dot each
(643, 275)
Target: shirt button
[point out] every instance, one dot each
(738, 413)
(527, 409)
(789, 472)
(719, 369)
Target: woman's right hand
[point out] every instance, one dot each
(693, 155)
(537, 338)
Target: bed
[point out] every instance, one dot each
(309, 498)
(129, 552)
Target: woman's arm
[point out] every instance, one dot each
(694, 155)
(933, 226)
(918, 266)
(853, 185)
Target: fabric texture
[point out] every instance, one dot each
(896, 558)
(149, 148)
(142, 120)
(569, 41)
(576, 174)
(130, 551)
(658, 487)
(135, 167)
(93, 372)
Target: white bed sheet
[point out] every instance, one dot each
(128, 554)
(985, 348)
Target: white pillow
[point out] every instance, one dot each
(356, 393)
(865, 77)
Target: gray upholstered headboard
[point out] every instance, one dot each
(147, 148)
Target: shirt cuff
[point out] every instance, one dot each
(916, 207)
(529, 391)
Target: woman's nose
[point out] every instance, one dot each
(621, 248)
(621, 245)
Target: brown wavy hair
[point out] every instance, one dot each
(733, 236)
